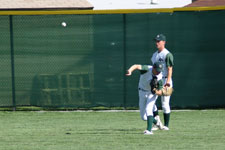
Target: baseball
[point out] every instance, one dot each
(63, 24)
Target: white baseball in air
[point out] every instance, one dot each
(64, 24)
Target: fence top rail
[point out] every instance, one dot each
(116, 11)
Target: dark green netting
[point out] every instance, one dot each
(5, 59)
(83, 64)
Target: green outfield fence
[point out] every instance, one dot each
(82, 65)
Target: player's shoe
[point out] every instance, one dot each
(146, 132)
(165, 128)
(159, 123)
(155, 127)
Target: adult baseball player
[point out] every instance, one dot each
(150, 79)
(166, 58)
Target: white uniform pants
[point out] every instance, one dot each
(146, 103)
(165, 100)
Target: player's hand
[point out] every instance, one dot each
(167, 85)
(128, 73)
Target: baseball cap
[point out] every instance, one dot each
(160, 37)
(158, 66)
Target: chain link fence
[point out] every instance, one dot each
(82, 64)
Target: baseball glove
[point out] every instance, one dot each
(165, 91)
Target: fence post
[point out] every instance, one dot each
(12, 61)
(124, 63)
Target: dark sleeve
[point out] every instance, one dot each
(169, 60)
(144, 69)
(160, 85)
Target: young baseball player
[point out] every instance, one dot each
(147, 96)
(166, 58)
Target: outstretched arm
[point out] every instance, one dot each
(132, 68)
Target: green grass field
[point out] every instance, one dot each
(189, 130)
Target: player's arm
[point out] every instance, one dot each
(132, 68)
(169, 76)
(169, 65)
(136, 67)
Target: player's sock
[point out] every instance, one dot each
(166, 119)
(154, 121)
(155, 113)
(149, 123)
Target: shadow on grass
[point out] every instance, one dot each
(110, 131)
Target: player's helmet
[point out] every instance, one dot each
(158, 66)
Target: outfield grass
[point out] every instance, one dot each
(189, 130)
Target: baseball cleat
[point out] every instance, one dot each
(146, 132)
(165, 128)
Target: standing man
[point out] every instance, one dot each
(164, 56)
(150, 79)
